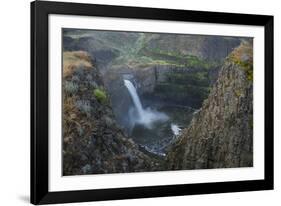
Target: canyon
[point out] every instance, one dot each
(149, 102)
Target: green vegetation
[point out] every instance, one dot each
(192, 86)
(180, 93)
(162, 57)
(100, 94)
(142, 49)
(142, 55)
(246, 66)
(243, 57)
(238, 92)
(195, 78)
(195, 62)
(250, 76)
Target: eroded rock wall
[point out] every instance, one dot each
(92, 141)
(221, 133)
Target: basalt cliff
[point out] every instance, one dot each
(92, 140)
(221, 132)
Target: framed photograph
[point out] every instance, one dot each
(133, 102)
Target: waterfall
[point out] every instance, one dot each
(133, 92)
(145, 116)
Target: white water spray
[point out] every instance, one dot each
(175, 128)
(145, 116)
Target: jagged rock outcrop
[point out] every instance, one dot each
(92, 141)
(221, 133)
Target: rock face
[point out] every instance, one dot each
(92, 141)
(102, 54)
(177, 85)
(221, 133)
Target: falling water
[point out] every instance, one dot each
(133, 92)
(150, 128)
(145, 116)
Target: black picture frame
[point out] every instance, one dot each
(39, 102)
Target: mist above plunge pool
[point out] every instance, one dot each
(154, 127)
(144, 117)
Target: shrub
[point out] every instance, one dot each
(196, 78)
(70, 87)
(243, 57)
(100, 95)
(74, 60)
(84, 106)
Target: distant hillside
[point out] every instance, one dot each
(132, 48)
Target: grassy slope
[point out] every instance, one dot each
(141, 49)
